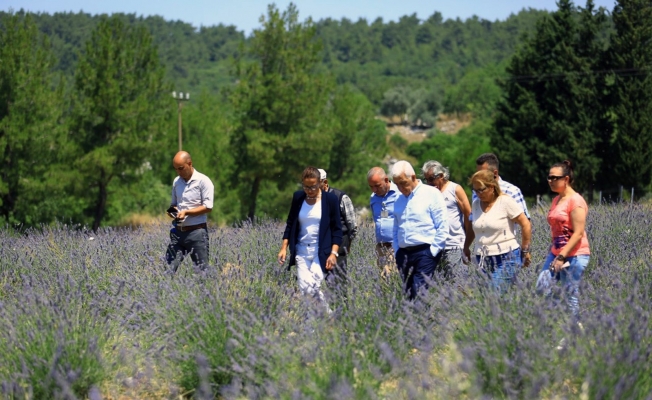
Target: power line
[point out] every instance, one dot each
(622, 72)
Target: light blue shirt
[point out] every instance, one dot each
(382, 209)
(197, 191)
(421, 218)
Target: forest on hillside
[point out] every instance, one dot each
(88, 125)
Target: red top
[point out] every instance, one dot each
(559, 218)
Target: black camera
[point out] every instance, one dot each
(172, 212)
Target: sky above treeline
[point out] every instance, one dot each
(245, 14)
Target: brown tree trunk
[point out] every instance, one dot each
(100, 209)
(255, 188)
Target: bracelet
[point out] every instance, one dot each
(335, 254)
(525, 251)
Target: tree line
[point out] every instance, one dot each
(88, 123)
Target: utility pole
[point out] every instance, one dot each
(180, 99)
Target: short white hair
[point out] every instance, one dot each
(402, 168)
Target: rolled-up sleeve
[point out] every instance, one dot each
(207, 192)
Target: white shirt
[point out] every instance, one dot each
(421, 218)
(309, 218)
(197, 191)
(494, 230)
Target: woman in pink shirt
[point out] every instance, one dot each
(569, 252)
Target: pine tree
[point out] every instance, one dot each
(629, 60)
(30, 126)
(550, 111)
(121, 104)
(281, 122)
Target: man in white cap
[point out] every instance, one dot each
(349, 225)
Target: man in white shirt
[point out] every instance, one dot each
(192, 200)
(420, 229)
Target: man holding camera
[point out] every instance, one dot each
(192, 199)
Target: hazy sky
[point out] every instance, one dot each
(245, 14)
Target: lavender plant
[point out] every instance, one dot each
(86, 315)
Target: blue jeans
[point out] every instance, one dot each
(416, 265)
(570, 278)
(501, 268)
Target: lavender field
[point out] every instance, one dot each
(86, 315)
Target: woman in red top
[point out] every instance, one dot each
(569, 252)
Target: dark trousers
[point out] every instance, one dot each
(194, 243)
(416, 265)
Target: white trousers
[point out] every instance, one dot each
(309, 273)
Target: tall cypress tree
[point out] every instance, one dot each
(549, 111)
(629, 60)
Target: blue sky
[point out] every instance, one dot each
(245, 14)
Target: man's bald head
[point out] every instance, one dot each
(182, 157)
(182, 163)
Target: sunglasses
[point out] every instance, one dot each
(310, 188)
(553, 178)
(478, 191)
(432, 178)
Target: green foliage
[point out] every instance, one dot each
(456, 152)
(476, 93)
(119, 110)
(30, 122)
(359, 142)
(279, 105)
(628, 145)
(551, 107)
(416, 107)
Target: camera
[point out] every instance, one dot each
(172, 212)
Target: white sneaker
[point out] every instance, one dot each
(562, 344)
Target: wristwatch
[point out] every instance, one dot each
(560, 258)
(335, 254)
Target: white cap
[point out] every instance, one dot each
(322, 174)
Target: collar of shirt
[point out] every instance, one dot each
(416, 188)
(192, 177)
(392, 189)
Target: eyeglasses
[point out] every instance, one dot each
(553, 178)
(480, 191)
(432, 178)
(310, 188)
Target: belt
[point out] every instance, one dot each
(191, 227)
(413, 249)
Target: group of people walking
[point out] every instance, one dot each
(426, 231)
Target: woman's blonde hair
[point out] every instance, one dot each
(486, 178)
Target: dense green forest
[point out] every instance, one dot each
(88, 126)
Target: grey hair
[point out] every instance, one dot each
(402, 168)
(436, 168)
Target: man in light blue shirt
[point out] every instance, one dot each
(420, 229)
(381, 203)
(192, 200)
